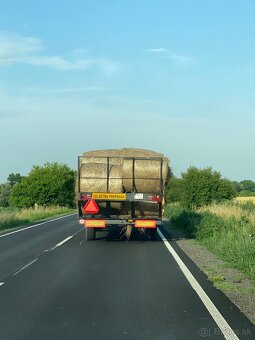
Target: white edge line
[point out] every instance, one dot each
(227, 331)
(1, 283)
(36, 225)
(24, 267)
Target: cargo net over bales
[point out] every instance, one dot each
(138, 173)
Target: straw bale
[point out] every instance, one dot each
(94, 156)
(93, 178)
(112, 161)
(116, 155)
(104, 153)
(131, 152)
(146, 173)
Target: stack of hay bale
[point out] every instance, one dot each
(93, 176)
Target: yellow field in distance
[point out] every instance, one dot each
(241, 199)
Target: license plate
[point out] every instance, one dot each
(138, 196)
(108, 196)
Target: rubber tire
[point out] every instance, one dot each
(90, 234)
(153, 234)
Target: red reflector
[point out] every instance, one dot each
(91, 207)
(145, 224)
(156, 198)
(94, 223)
(83, 197)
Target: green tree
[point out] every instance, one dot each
(174, 190)
(5, 193)
(226, 190)
(204, 186)
(247, 185)
(14, 179)
(236, 186)
(51, 184)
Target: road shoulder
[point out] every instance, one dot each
(38, 222)
(234, 284)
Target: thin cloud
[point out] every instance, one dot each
(157, 50)
(165, 53)
(15, 49)
(78, 89)
(58, 63)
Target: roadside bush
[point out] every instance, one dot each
(209, 225)
(51, 184)
(174, 190)
(246, 193)
(5, 193)
(248, 206)
(230, 236)
(203, 186)
(184, 220)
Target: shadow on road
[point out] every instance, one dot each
(116, 236)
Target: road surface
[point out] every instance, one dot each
(55, 285)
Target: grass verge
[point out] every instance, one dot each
(11, 218)
(228, 230)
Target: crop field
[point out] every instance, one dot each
(241, 199)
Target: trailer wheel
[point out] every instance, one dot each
(153, 234)
(90, 234)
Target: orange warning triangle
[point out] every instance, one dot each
(91, 207)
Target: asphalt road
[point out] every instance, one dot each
(55, 285)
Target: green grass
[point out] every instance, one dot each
(230, 236)
(12, 217)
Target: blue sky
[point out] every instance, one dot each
(172, 76)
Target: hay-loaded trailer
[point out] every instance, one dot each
(110, 193)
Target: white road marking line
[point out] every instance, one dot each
(65, 240)
(227, 331)
(36, 225)
(1, 283)
(24, 267)
(62, 242)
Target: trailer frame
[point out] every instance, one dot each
(115, 221)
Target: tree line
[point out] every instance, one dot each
(54, 183)
(200, 187)
(50, 184)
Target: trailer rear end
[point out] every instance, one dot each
(124, 210)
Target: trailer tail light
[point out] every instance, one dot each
(94, 224)
(145, 224)
(156, 198)
(85, 197)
